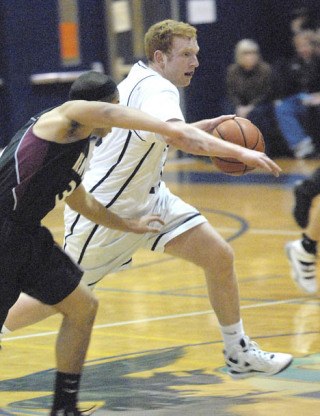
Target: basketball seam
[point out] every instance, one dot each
(242, 132)
(217, 130)
(245, 144)
(235, 161)
(257, 141)
(245, 168)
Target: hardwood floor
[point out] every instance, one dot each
(156, 347)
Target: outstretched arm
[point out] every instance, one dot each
(85, 203)
(103, 115)
(199, 142)
(187, 138)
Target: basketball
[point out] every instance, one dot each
(239, 131)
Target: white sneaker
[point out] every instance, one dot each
(304, 149)
(303, 266)
(246, 359)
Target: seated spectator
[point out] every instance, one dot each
(297, 78)
(303, 18)
(249, 88)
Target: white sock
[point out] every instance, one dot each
(232, 334)
(4, 330)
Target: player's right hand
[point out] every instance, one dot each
(145, 224)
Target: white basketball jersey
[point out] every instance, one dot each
(125, 169)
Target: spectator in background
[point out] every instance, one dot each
(303, 18)
(296, 79)
(249, 89)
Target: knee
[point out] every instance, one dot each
(227, 256)
(92, 307)
(85, 312)
(222, 262)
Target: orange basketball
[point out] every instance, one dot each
(239, 131)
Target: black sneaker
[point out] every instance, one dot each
(69, 412)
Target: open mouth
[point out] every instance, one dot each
(189, 74)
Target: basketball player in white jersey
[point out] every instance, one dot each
(125, 174)
(43, 164)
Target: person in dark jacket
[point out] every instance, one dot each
(250, 91)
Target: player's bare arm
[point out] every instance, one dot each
(55, 125)
(199, 142)
(85, 204)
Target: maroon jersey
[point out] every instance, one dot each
(35, 174)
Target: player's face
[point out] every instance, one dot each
(180, 64)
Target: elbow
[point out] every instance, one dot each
(177, 143)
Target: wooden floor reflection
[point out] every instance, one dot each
(156, 347)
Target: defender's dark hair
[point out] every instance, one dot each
(93, 86)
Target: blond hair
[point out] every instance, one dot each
(160, 36)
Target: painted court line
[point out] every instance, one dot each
(261, 231)
(154, 319)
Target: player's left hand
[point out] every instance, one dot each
(210, 124)
(144, 224)
(259, 160)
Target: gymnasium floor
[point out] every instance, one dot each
(156, 348)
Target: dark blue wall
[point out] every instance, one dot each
(92, 33)
(3, 90)
(30, 45)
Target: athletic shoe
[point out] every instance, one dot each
(303, 266)
(246, 359)
(304, 149)
(302, 205)
(69, 412)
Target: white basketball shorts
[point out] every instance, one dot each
(100, 250)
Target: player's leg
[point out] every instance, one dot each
(97, 262)
(79, 311)
(18, 242)
(304, 193)
(302, 253)
(202, 246)
(54, 279)
(26, 311)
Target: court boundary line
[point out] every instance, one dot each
(152, 319)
